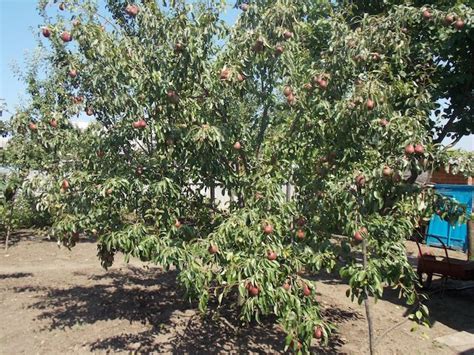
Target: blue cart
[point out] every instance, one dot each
(441, 232)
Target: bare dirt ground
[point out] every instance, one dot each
(55, 301)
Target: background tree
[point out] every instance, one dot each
(445, 41)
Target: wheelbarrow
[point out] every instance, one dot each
(429, 265)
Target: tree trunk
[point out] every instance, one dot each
(368, 306)
(9, 227)
(7, 237)
(213, 194)
(470, 240)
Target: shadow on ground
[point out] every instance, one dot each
(15, 275)
(152, 297)
(17, 237)
(23, 235)
(449, 303)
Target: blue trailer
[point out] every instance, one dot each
(453, 236)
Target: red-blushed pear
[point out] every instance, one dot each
(286, 285)
(237, 146)
(301, 221)
(78, 99)
(296, 345)
(213, 249)
(360, 180)
(76, 22)
(427, 14)
(65, 184)
(172, 96)
(359, 235)
(177, 224)
(32, 126)
(46, 32)
(288, 34)
(271, 255)
(459, 24)
(383, 122)
(376, 57)
(409, 149)
(132, 10)
(224, 74)
(259, 45)
(139, 171)
(62, 6)
(253, 290)
(287, 91)
(318, 332)
(72, 73)
(396, 177)
(268, 229)
(89, 111)
(291, 99)
(240, 77)
(320, 81)
(142, 123)
(279, 50)
(100, 153)
(53, 123)
(178, 47)
(419, 149)
(449, 19)
(109, 191)
(66, 36)
(387, 171)
(306, 290)
(370, 104)
(300, 234)
(244, 7)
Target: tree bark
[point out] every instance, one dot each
(368, 306)
(9, 227)
(470, 240)
(213, 194)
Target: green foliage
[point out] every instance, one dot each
(313, 95)
(440, 40)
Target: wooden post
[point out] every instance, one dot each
(368, 307)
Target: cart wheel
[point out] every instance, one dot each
(425, 279)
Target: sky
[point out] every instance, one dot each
(19, 30)
(18, 18)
